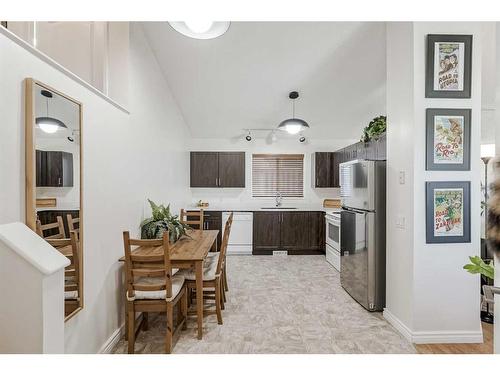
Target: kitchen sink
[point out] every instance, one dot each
(279, 208)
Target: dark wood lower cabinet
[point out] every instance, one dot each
(298, 232)
(212, 220)
(266, 232)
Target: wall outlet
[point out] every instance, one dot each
(400, 222)
(280, 252)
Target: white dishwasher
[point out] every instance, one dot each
(240, 238)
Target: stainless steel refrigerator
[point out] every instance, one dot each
(362, 231)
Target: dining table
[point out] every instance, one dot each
(188, 252)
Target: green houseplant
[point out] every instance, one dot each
(477, 265)
(375, 128)
(161, 221)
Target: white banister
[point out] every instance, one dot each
(31, 292)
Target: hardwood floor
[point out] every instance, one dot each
(485, 348)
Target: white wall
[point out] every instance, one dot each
(126, 158)
(444, 306)
(233, 196)
(400, 123)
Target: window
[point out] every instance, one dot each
(278, 172)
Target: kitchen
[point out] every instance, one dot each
(247, 130)
(280, 226)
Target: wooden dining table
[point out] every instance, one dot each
(188, 252)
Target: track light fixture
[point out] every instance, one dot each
(248, 137)
(302, 139)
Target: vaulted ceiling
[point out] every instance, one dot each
(242, 79)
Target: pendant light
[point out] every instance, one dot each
(200, 29)
(293, 125)
(49, 124)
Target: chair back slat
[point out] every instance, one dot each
(150, 287)
(137, 266)
(148, 272)
(225, 240)
(187, 218)
(146, 258)
(59, 224)
(71, 223)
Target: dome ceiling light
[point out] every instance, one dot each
(49, 124)
(293, 125)
(200, 29)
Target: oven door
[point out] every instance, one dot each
(333, 232)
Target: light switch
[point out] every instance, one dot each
(400, 222)
(401, 177)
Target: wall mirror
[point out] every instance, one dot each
(53, 180)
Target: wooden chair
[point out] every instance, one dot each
(72, 276)
(59, 224)
(152, 288)
(187, 218)
(212, 275)
(71, 223)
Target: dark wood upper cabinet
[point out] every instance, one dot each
(217, 169)
(266, 232)
(322, 169)
(204, 169)
(294, 230)
(231, 169)
(381, 147)
(54, 169)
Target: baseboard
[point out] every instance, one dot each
(448, 337)
(434, 337)
(112, 341)
(398, 324)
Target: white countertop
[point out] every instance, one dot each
(264, 207)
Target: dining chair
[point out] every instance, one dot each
(224, 272)
(192, 218)
(71, 223)
(212, 275)
(59, 225)
(72, 273)
(152, 287)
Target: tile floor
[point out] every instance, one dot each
(291, 304)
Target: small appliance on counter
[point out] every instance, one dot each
(362, 237)
(201, 204)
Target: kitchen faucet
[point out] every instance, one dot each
(278, 198)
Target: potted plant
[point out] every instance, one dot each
(162, 220)
(487, 270)
(375, 128)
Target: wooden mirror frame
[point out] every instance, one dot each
(30, 168)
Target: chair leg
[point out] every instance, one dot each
(170, 328)
(222, 298)
(184, 309)
(223, 292)
(145, 321)
(218, 300)
(226, 286)
(131, 327)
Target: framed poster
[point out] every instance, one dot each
(448, 139)
(448, 71)
(447, 212)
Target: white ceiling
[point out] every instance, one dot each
(242, 79)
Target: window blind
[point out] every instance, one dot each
(278, 172)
